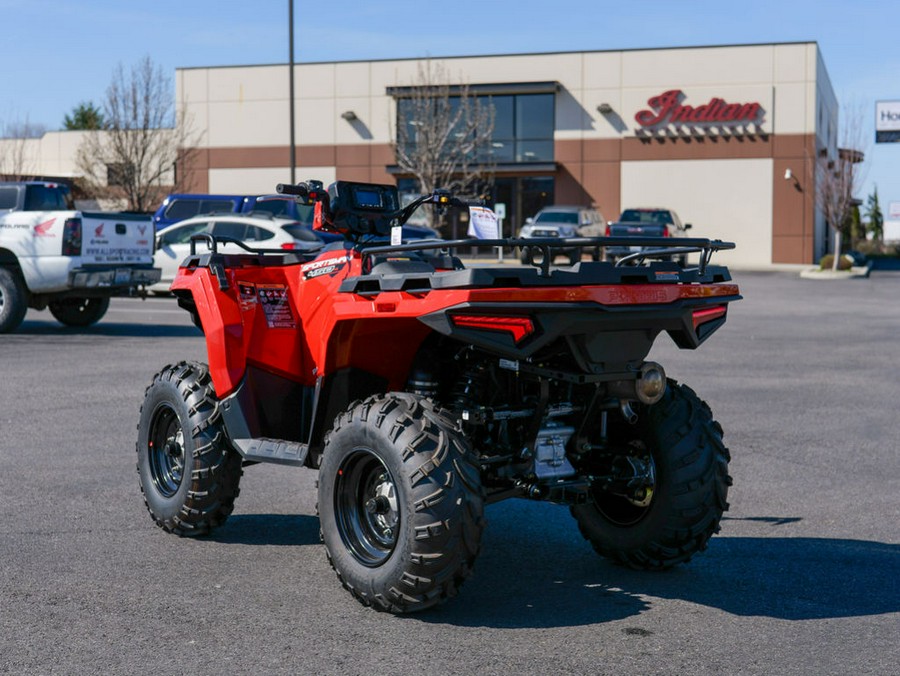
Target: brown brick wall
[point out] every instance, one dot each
(589, 172)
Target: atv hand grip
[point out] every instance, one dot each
(301, 189)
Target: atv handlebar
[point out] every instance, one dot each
(314, 191)
(299, 190)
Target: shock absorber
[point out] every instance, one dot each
(422, 382)
(468, 392)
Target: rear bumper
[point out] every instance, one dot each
(121, 277)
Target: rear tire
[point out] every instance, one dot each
(400, 503)
(79, 311)
(13, 300)
(689, 497)
(189, 473)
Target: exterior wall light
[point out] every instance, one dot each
(349, 116)
(789, 176)
(604, 108)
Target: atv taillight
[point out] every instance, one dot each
(288, 245)
(519, 327)
(71, 242)
(708, 314)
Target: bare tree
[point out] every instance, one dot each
(839, 177)
(444, 135)
(145, 145)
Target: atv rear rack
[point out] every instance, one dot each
(651, 248)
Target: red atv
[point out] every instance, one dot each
(422, 390)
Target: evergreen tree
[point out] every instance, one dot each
(85, 116)
(876, 218)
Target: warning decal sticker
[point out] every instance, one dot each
(247, 293)
(274, 300)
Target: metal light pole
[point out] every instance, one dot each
(291, 89)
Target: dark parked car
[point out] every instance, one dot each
(177, 207)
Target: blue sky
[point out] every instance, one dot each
(57, 53)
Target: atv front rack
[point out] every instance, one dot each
(649, 248)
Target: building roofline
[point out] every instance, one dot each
(485, 56)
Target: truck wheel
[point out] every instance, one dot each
(678, 515)
(79, 311)
(400, 503)
(13, 300)
(188, 471)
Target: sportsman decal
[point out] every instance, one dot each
(327, 266)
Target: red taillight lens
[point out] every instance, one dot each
(288, 245)
(708, 315)
(519, 327)
(608, 231)
(71, 243)
(666, 232)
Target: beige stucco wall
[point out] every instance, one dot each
(248, 106)
(722, 199)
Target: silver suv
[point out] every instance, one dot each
(565, 221)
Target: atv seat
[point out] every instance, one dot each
(401, 267)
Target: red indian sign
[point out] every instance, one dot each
(666, 109)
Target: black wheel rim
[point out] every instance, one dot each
(366, 507)
(165, 449)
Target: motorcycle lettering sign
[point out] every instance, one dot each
(667, 108)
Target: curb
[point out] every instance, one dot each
(852, 273)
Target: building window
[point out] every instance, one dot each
(523, 126)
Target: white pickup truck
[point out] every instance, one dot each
(72, 262)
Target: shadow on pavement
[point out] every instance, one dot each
(52, 328)
(268, 529)
(556, 580)
(535, 571)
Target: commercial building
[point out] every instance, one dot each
(728, 136)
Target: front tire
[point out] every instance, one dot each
(684, 508)
(13, 300)
(400, 503)
(79, 311)
(189, 473)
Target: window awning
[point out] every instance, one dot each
(500, 168)
(497, 89)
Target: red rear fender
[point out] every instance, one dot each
(220, 317)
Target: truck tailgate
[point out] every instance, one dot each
(113, 238)
(626, 229)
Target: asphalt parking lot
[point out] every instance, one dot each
(803, 579)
